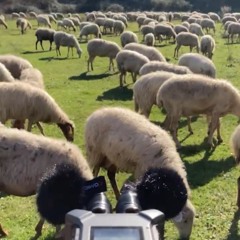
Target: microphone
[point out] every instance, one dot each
(162, 189)
(63, 189)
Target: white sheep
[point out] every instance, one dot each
(69, 24)
(60, 25)
(66, 40)
(90, 29)
(119, 139)
(43, 20)
(145, 29)
(188, 95)
(154, 66)
(3, 22)
(196, 29)
(145, 90)
(232, 29)
(108, 25)
(214, 16)
(44, 34)
(23, 23)
(22, 101)
(27, 157)
(164, 30)
(186, 39)
(129, 61)
(149, 39)
(150, 52)
(102, 48)
(198, 63)
(186, 24)
(118, 27)
(15, 64)
(180, 28)
(128, 37)
(228, 18)
(15, 15)
(207, 45)
(208, 24)
(5, 75)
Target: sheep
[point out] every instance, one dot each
(67, 40)
(154, 66)
(90, 29)
(23, 23)
(15, 64)
(208, 24)
(228, 18)
(108, 24)
(214, 16)
(164, 30)
(186, 39)
(3, 22)
(22, 101)
(43, 20)
(68, 23)
(5, 75)
(60, 25)
(145, 29)
(198, 63)
(44, 34)
(233, 28)
(196, 29)
(235, 147)
(207, 45)
(129, 61)
(15, 15)
(150, 52)
(149, 39)
(27, 157)
(118, 27)
(180, 28)
(187, 95)
(128, 37)
(119, 139)
(145, 90)
(186, 24)
(102, 48)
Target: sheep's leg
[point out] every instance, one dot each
(3, 233)
(111, 175)
(96, 170)
(121, 78)
(212, 127)
(176, 50)
(36, 44)
(40, 128)
(90, 61)
(29, 127)
(238, 193)
(173, 126)
(38, 228)
(219, 138)
(189, 125)
(134, 77)
(50, 48)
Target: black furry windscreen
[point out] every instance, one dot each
(162, 189)
(60, 191)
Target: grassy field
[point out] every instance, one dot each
(212, 174)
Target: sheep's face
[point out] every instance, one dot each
(68, 130)
(184, 223)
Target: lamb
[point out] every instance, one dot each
(44, 34)
(149, 39)
(129, 61)
(66, 40)
(198, 63)
(128, 37)
(154, 66)
(21, 101)
(102, 48)
(207, 45)
(150, 52)
(196, 29)
(145, 90)
(90, 29)
(186, 39)
(119, 139)
(15, 64)
(187, 95)
(27, 157)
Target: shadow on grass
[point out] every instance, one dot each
(35, 52)
(203, 171)
(117, 93)
(2, 194)
(87, 76)
(233, 230)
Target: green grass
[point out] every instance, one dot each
(212, 174)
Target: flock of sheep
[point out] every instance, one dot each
(116, 138)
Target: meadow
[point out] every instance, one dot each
(212, 173)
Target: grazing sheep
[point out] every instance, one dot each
(164, 30)
(208, 24)
(186, 24)
(198, 63)
(186, 39)
(3, 22)
(214, 16)
(145, 90)
(207, 45)
(154, 66)
(128, 37)
(15, 15)
(43, 20)
(90, 29)
(150, 52)
(22, 101)
(108, 24)
(149, 39)
(196, 29)
(60, 25)
(118, 27)
(44, 34)
(232, 29)
(5, 75)
(15, 64)
(145, 29)
(228, 18)
(119, 139)
(102, 48)
(27, 157)
(23, 23)
(66, 40)
(129, 61)
(68, 23)
(180, 28)
(188, 95)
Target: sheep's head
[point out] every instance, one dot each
(68, 130)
